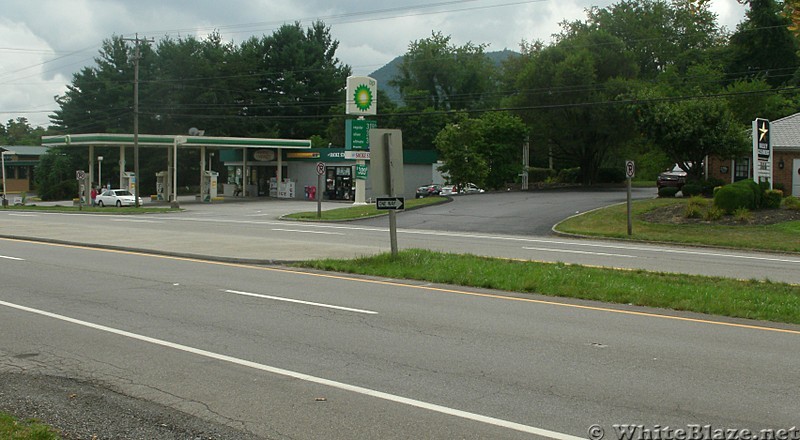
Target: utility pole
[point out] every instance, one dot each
(136, 57)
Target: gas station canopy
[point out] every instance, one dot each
(155, 140)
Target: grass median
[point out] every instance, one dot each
(612, 222)
(760, 300)
(361, 211)
(11, 428)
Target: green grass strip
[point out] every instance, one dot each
(12, 429)
(362, 211)
(767, 301)
(612, 222)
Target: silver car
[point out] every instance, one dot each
(116, 197)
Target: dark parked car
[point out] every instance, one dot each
(675, 177)
(429, 190)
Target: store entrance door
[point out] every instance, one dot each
(339, 183)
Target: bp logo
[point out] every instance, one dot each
(363, 97)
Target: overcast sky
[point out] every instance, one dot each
(42, 42)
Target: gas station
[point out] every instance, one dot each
(166, 180)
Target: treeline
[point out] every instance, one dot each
(658, 81)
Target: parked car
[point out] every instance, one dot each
(469, 188)
(449, 190)
(116, 197)
(674, 177)
(429, 190)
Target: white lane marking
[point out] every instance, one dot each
(308, 303)
(307, 232)
(11, 258)
(306, 377)
(23, 215)
(567, 251)
(133, 220)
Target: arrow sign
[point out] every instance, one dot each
(390, 202)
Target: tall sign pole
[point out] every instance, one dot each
(361, 100)
(386, 161)
(320, 174)
(630, 171)
(762, 152)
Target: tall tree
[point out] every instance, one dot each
(763, 45)
(661, 33)
(19, 132)
(566, 91)
(689, 130)
(435, 73)
(486, 150)
(298, 78)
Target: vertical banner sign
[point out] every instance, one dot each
(762, 152)
(361, 172)
(362, 96)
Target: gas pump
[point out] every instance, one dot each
(209, 186)
(163, 186)
(129, 181)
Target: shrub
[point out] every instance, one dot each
(731, 197)
(772, 198)
(710, 184)
(716, 188)
(698, 201)
(691, 189)
(743, 215)
(569, 175)
(755, 188)
(667, 191)
(611, 175)
(792, 203)
(779, 186)
(540, 174)
(713, 213)
(693, 211)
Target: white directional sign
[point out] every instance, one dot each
(390, 203)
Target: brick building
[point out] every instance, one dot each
(785, 140)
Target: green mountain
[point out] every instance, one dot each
(389, 71)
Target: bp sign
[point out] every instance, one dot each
(362, 96)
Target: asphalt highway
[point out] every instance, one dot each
(253, 232)
(291, 354)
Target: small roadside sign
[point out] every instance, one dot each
(80, 175)
(320, 168)
(361, 172)
(393, 203)
(630, 169)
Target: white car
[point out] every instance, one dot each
(470, 188)
(116, 197)
(449, 190)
